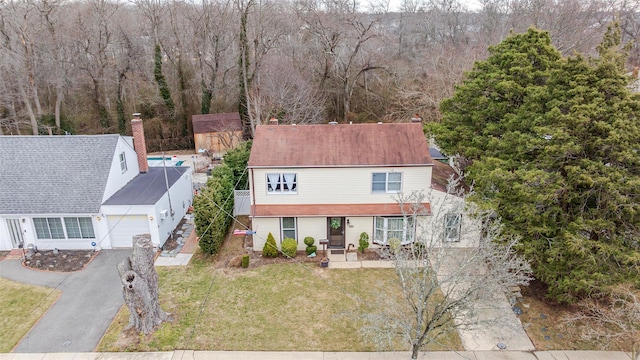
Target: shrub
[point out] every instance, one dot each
(394, 245)
(289, 247)
(245, 261)
(211, 208)
(270, 249)
(309, 241)
(311, 249)
(364, 242)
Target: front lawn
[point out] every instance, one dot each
(20, 307)
(280, 307)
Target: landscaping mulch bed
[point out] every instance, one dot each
(60, 260)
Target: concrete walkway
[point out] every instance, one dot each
(78, 319)
(309, 355)
(183, 257)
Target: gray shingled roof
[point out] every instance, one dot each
(147, 189)
(54, 174)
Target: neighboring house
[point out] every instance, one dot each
(336, 181)
(86, 192)
(216, 133)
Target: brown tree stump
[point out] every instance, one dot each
(140, 286)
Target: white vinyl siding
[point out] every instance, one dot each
(319, 185)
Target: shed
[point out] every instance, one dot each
(216, 133)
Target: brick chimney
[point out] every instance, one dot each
(139, 144)
(273, 121)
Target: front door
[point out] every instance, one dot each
(336, 232)
(15, 232)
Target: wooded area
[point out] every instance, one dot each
(84, 66)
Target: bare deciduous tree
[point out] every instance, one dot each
(286, 94)
(614, 318)
(457, 264)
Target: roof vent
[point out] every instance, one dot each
(333, 123)
(379, 122)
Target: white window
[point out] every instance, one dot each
(386, 182)
(74, 228)
(387, 228)
(288, 225)
(285, 183)
(79, 228)
(48, 228)
(452, 223)
(123, 162)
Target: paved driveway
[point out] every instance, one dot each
(89, 301)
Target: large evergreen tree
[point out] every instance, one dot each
(552, 145)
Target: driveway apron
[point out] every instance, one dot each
(89, 301)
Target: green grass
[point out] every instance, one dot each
(20, 307)
(281, 307)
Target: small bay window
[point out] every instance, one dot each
(386, 228)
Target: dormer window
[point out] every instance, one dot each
(123, 162)
(283, 183)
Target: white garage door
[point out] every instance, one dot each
(123, 228)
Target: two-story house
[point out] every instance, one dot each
(86, 192)
(335, 181)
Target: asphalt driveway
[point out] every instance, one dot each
(90, 299)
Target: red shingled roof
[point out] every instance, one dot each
(328, 145)
(391, 209)
(209, 123)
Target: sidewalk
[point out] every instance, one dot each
(246, 355)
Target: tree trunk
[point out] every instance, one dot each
(27, 104)
(140, 286)
(59, 96)
(415, 351)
